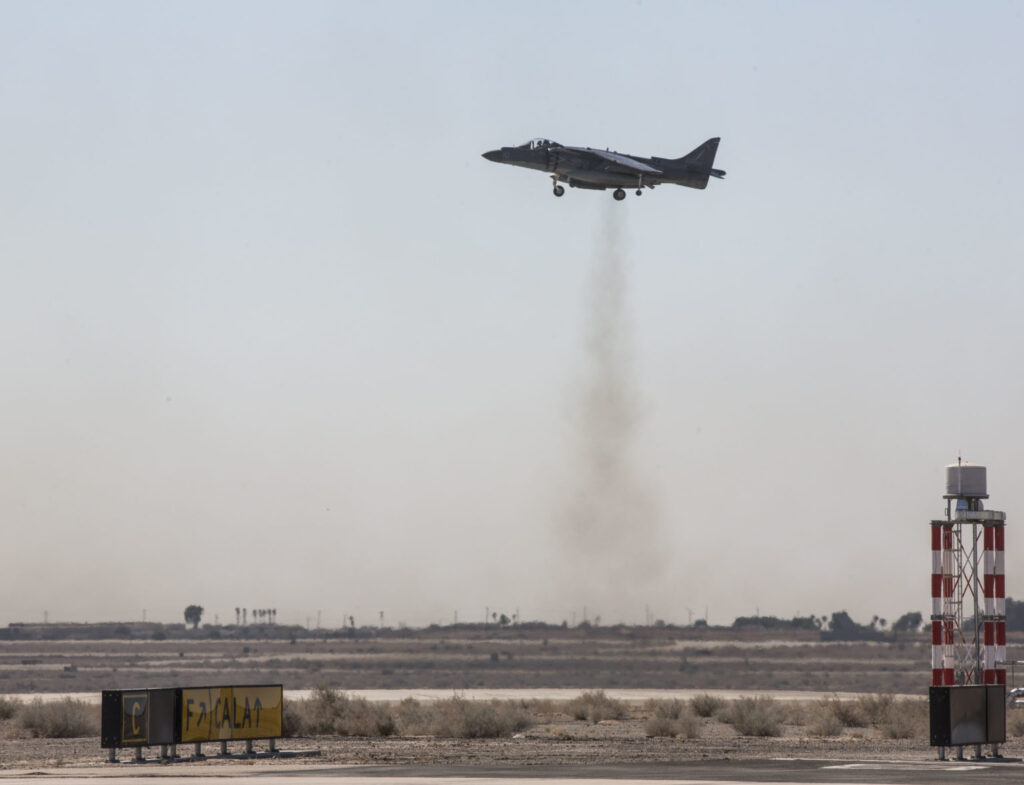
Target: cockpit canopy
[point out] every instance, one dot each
(539, 144)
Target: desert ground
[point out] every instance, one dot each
(644, 672)
(459, 659)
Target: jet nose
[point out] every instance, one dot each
(493, 155)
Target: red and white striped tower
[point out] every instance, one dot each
(999, 576)
(968, 597)
(936, 603)
(968, 617)
(989, 583)
(950, 609)
(995, 603)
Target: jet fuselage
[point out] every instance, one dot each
(585, 167)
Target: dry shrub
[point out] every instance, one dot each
(671, 718)
(822, 719)
(465, 719)
(874, 708)
(854, 713)
(291, 718)
(848, 713)
(329, 712)
(669, 709)
(317, 713)
(540, 707)
(594, 707)
(760, 716)
(1014, 723)
(688, 726)
(413, 718)
(9, 707)
(360, 717)
(63, 719)
(794, 712)
(706, 705)
(905, 719)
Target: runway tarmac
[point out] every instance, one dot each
(720, 772)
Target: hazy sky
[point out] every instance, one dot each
(273, 334)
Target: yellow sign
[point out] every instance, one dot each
(135, 717)
(226, 713)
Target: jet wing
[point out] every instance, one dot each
(622, 162)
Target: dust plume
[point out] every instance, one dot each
(609, 531)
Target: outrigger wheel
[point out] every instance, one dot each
(619, 194)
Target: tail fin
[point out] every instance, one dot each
(704, 156)
(695, 168)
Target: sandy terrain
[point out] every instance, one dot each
(564, 743)
(507, 666)
(642, 658)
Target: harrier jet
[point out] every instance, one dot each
(585, 167)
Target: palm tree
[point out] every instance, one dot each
(193, 613)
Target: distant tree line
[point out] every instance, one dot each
(775, 623)
(839, 625)
(259, 615)
(1014, 614)
(194, 613)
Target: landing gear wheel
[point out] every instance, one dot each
(558, 190)
(618, 194)
(639, 192)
